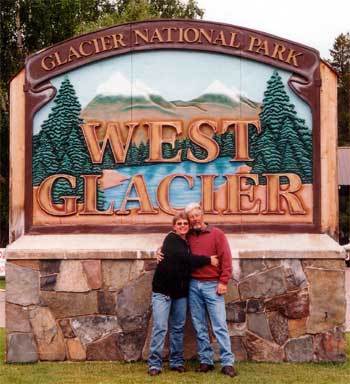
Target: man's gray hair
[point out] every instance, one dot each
(191, 206)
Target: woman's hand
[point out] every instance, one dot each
(214, 260)
(159, 255)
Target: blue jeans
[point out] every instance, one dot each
(173, 311)
(203, 299)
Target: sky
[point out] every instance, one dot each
(315, 23)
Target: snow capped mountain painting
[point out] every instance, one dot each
(116, 97)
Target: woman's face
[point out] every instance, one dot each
(181, 227)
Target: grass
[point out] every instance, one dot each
(135, 373)
(2, 283)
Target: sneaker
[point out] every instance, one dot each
(179, 368)
(204, 368)
(154, 371)
(229, 371)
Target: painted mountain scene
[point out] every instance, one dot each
(132, 154)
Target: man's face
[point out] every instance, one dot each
(196, 218)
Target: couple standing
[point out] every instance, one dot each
(196, 264)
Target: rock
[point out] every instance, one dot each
(49, 267)
(257, 324)
(294, 273)
(136, 267)
(133, 303)
(75, 350)
(131, 344)
(105, 349)
(297, 327)
(31, 264)
(49, 337)
(93, 273)
(265, 284)
(279, 327)
(106, 302)
(236, 329)
(115, 274)
(66, 328)
(21, 348)
(272, 263)
(67, 304)
(250, 266)
(17, 319)
(71, 277)
(294, 305)
(299, 350)
(150, 265)
(324, 264)
(22, 285)
(254, 305)
(238, 348)
(327, 299)
(232, 292)
(330, 346)
(259, 349)
(48, 283)
(236, 312)
(91, 328)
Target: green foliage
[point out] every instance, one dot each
(116, 372)
(124, 11)
(341, 63)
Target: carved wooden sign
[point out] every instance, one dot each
(129, 124)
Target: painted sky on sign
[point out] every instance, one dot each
(175, 75)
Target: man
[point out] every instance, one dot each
(207, 287)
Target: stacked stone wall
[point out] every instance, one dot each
(277, 310)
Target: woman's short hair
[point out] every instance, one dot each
(178, 216)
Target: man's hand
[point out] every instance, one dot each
(221, 289)
(214, 260)
(159, 255)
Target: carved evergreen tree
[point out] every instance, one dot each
(282, 132)
(228, 144)
(63, 118)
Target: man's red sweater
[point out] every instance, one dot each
(211, 241)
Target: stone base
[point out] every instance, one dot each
(287, 308)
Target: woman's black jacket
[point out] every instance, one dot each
(173, 273)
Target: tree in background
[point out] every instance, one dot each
(341, 63)
(27, 26)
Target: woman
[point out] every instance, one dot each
(169, 297)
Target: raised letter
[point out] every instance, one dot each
(142, 198)
(292, 56)
(155, 134)
(164, 191)
(235, 192)
(203, 140)
(48, 65)
(112, 135)
(90, 197)
(144, 37)
(275, 194)
(82, 49)
(208, 205)
(44, 197)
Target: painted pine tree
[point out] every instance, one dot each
(65, 115)
(284, 132)
(228, 143)
(276, 105)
